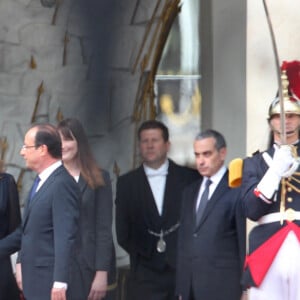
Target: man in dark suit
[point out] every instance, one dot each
(147, 215)
(211, 242)
(49, 221)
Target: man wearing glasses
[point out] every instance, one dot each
(49, 221)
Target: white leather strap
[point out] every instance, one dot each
(288, 215)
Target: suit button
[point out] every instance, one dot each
(195, 235)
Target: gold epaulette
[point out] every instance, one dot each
(235, 169)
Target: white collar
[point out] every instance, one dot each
(161, 171)
(216, 178)
(48, 171)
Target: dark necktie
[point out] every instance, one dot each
(34, 187)
(203, 202)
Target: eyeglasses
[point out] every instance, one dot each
(24, 147)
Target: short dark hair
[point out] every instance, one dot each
(219, 138)
(48, 135)
(154, 124)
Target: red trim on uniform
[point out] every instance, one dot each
(256, 192)
(260, 195)
(260, 260)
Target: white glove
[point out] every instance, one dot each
(283, 161)
(283, 164)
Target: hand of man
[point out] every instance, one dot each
(19, 276)
(283, 160)
(99, 286)
(244, 296)
(58, 294)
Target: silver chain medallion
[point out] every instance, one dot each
(161, 244)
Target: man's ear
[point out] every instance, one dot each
(169, 145)
(43, 148)
(223, 153)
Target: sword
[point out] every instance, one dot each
(279, 77)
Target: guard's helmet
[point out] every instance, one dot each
(291, 102)
(291, 106)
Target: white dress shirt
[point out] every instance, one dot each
(215, 179)
(157, 180)
(47, 172)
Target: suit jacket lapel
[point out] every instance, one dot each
(82, 184)
(149, 208)
(168, 203)
(30, 204)
(194, 199)
(171, 206)
(215, 197)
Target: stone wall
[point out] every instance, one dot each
(94, 60)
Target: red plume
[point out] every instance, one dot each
(293, 73)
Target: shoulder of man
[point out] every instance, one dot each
(258, 155)
(173, 164)
(6, 176)
(257, 152)
(188, 173)
(62, 175)
(131, 174)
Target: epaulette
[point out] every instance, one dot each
(235, 172)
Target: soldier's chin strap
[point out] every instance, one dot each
(280, 77)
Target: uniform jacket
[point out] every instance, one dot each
(211, 255)
(254, 169)
(136, 214)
